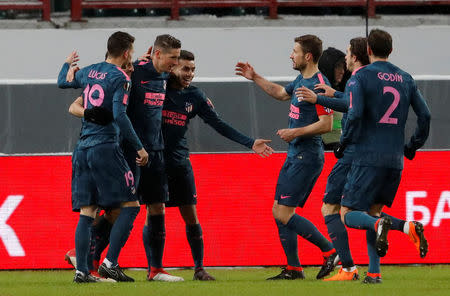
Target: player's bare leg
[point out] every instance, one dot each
(194, 236)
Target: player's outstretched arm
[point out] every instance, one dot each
(322, 126)
(272, 89)
(337, 104)
(261, 148)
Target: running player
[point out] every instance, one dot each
(145, 111)
(355, 58)
(379, 102)
(183, 102)
(101, 177)
(305, 156)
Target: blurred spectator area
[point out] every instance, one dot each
(175, 9)
(10, 8)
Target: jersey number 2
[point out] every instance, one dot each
(387, 116)
(88, 92)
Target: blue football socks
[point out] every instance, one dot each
(288, 239)
(339, 237)
(120, 232)
(195, 238)
(82, 240)
(308, 231)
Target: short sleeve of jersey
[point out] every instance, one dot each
(290, 87)
(321, 110)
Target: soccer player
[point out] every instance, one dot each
(305, 155)
(183, 102)
(355, 58)
(145, 111)
(101, 176)
(379, 102)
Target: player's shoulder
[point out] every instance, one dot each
(319, 76)
(195, 93)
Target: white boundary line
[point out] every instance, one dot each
(205, 79)
(218, 152)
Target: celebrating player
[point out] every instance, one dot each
(379, 102)
(305, 157)
(183, 102)
(145, 111)
(101, 176)
(355, 58)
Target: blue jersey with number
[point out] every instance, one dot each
(340, 103)
(105, 85)
(378, 109)
(302, 114)
(179, 107)
(146, 103)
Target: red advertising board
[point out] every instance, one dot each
(235, 197)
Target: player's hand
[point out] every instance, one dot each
(261, 148)
(305, 94)
(409, 152)
(287, 134)
(142, 158)
(98, 115)
(245, 70)
(339, 150)
(129, 69)
(327, 90)
(146, 56)
(72, 58)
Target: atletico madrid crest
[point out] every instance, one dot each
(188, 107)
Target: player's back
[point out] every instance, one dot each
(100, 83)
(386, 91)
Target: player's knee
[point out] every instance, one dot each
(156, 209)
(90, 211)
(189, 215)
(375, 210)
(112, 214)
(344, 211)
(129, 204)
(330, 209)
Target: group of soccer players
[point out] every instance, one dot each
(140, 152)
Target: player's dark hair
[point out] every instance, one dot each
(118, 43)
(186, 55)
(166, 42)
(358, 48)
(311, 44)
(380, 42)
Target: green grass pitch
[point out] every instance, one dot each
(397, 280)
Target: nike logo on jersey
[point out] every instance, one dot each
(144, 82)
(284, 196)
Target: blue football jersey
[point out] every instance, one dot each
(180, 107)
(104, 85)
(146, 103)
(303, 113)
(379, 103)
